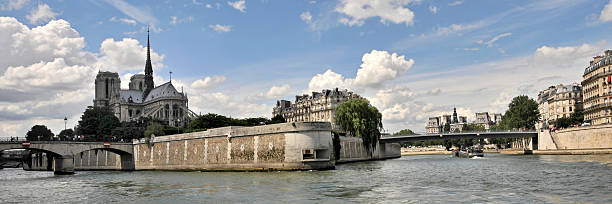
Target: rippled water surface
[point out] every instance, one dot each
(414, 179)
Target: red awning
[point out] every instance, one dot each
(609, 79)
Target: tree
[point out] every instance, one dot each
(446, 128)
(577, 117)
(97, 123)
(154, 128)
(522, 113)
(563, 122)
(39, 132)
(277, 119)
(210, 120)
(358, 118)
(404, 132)
(66, 134)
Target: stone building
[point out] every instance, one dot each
(597, 88)
(318, 107)
(143, 98)
(487, 120)
(558, 101)
(436, 124)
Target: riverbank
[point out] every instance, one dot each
(559, 152)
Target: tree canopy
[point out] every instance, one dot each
(39, 132)
(154, 128)
(66, 134)
(404, 132)
(522, 113)
(358, 118)
(212, 120)
(97, 124)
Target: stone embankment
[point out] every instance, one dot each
(579, 140)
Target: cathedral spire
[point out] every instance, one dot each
(148, 66)
(149, 84)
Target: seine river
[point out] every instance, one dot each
(413, 179)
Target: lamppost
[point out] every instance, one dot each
(65, 122)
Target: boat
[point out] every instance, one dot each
(468, 153)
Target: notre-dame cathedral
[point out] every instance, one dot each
(143, 99)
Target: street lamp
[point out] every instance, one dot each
(65, 121)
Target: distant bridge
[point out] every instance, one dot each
(63, 152)
(462, 135)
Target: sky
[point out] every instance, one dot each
(412, 59)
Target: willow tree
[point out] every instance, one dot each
(358, 118)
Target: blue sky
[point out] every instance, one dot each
(411, 58)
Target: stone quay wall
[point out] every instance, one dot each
(286, 146)
(352, 150)
(588, 137)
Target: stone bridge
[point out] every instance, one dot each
(530, 135)
(63, 152)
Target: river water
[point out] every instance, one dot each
(411, 179)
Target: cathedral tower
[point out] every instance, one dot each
(148, 85)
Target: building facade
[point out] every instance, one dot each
(318, 107)
(597, 88)
(143, 98)
(436, 124)
(558, 102)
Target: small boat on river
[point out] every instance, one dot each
(468, 153)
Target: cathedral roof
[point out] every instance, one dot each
(166, 90)
(136, 96)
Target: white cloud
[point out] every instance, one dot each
(306, 17)
(433, 9)
(329, 79)
(27, 46)
(41, 14)
(606, 13)
(196, 2)
(9, 5)
(221, 28)
(123, 20)
(275, 92)
(208, 6)
(456, 28)
(141, 15)
(207, 83)
(381, 66)
(126, 55)
(471, 49)
(455, 3)
(490, 42)
(357, 11)
(238, 5)
(175, 20)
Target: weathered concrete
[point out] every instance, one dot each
(589, 137)
(353, 150)
(63, 165)
(268, 147)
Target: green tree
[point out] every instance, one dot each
(277, 119)
(522, 113)
(404, 132)
(210, 120)
(563, 122)
(39, 132)
(577, 117)
(446, 127)
(97, 124)
(154, 128)
(66, 134)
(358, 118)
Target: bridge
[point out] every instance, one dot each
(63, 152)
(461, 135)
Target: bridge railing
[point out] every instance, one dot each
(466, 132)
